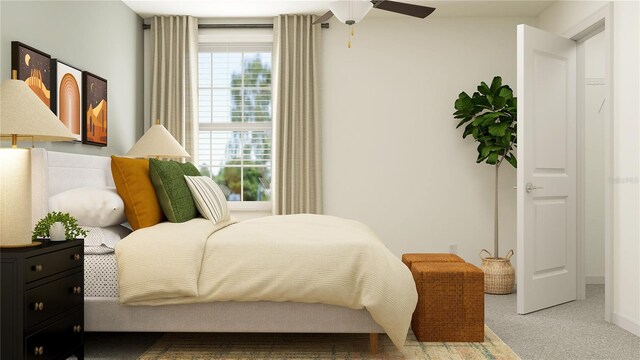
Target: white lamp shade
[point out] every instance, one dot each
(15, 197)
(158, 142)
(350, 10)
(23, 114)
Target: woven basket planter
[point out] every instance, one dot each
(499, 274)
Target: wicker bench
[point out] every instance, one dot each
(450, 299)
(409, 259)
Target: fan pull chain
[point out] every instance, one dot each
(349, 32)
(352, 33)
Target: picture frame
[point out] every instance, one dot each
(66, 96)
(94, 109)
(33, 67)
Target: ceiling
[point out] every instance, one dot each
(269, 8)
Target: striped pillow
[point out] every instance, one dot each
(209, 198)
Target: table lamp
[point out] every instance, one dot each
(22, 115)
(158, 143)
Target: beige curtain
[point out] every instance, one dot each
(174, 78)
(297, 163)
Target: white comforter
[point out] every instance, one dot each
(301, 258)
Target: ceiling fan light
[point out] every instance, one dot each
(350, 11)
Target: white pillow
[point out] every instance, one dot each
(104, 237)
(91, 206)
(209, 198)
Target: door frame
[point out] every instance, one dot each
(599, 21)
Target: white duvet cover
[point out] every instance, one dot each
(301, 258)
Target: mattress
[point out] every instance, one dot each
(100, 276)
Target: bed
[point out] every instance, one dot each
(55, 172)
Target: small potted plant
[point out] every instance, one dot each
(58, 226)
(490, 115)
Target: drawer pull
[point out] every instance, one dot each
(77, 290)
(38, 350)
(37, 268)
(38, 306)
(75, 257)
(77, 328)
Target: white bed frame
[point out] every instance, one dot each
(55, 172)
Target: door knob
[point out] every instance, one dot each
(530, 187)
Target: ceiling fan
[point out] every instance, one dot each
(352, 11)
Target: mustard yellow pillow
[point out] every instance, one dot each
(134, 186)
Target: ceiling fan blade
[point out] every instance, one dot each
(404, 8)
(328, 15)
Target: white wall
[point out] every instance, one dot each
(560, 18)
(392, 156)
(595, 110)
(626, 164)
(103, 37)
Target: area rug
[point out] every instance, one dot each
(201, 346)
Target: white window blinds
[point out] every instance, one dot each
(235, 113)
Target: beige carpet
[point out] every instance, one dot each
(317, 346)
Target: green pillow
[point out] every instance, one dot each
(172, 190)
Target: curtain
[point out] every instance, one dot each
(174, 78)
(297, 160)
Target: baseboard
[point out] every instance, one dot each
(632, 326)
(595, 280)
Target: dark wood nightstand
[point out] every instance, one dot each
(42, 301)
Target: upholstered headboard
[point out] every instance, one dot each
(55, 172)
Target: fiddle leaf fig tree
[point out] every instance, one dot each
(490, 117)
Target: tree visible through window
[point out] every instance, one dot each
(235, 121)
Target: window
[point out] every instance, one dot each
(235, 113)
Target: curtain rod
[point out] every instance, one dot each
(234, 26)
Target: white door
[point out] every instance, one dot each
(546, 170)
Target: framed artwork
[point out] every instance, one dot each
(66, 96)
(94, 108)
(34, 68)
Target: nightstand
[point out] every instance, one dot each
(42, 301)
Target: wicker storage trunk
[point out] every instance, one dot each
(450, 302)
(410, 259)
(499, 274)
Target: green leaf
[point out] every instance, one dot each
(495, 84)
(505, 92)
(484, 150)
(464, 103)
(492, 158)
(499, 102)
(499, 129)
(467, 130)
(490, 99)
(483, 88)
(487, 118)
(512, 160)
(482, 102)
(505, 140)
(463, 121)
(490, 120)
